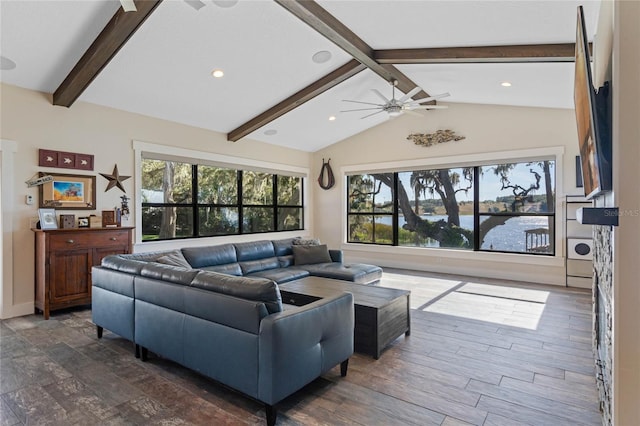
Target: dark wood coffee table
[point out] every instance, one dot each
(381, 313)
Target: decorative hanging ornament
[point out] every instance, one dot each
(115, 179)
(328, 181)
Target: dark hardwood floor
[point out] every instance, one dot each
(482, 352)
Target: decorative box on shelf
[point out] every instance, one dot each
(95, 222)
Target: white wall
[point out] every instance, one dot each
(7, 152)
(626, 196)
(29, 119)
(489, 131)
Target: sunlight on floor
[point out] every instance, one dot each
(500, 304)
(497, 310)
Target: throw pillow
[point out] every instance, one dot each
(305, 242)
(308, 255)
(175, 258)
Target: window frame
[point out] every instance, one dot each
(144, 150)
(475, 161)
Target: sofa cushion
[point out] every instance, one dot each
(254, 250)
(123, 264)
(199, 257)
(286, 261)
(251, 266)
(359, 273)
(307, 254)
(282, 275)
(283, 247)
(258, 289)
(174, 258)
(174, 274)
(229, 268)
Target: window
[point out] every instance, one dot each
(370, 211)
(184, 200)
(516, 212)
(501, 207)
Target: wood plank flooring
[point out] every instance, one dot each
(481, 352)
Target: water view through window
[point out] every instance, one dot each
(502, 207)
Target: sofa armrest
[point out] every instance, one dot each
(336, 255)
(298, 345)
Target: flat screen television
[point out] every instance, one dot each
(593, 117)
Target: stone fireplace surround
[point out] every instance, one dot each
(602, 316)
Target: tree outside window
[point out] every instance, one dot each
(502, 207)
(183, 200)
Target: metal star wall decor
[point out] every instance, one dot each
(115, 179)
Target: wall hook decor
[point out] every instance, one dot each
(114, 179)
(326, 182)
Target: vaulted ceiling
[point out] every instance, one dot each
(265, 48)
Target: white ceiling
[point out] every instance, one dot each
(164, 69)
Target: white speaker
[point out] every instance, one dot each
(580, 248)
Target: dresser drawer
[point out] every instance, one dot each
(68, 241)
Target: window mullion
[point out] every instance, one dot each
(476, 208)
(394, 219)
(194, 200)
(240, 201)
(274, 200)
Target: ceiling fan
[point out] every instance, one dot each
(395, 107)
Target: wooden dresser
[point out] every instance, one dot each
(63, 261)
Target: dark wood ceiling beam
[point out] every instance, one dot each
(330, 80)
(563, 52)
(326, 24)
(114, 35)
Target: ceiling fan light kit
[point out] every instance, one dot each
(394, 107)
(225, 3)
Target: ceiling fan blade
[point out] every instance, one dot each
(412, 107)
(381, 96)
(430, 98)
(360, 102)
(372, 114)
(410, 94)
(361, 109)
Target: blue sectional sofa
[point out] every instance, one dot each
(218, 311)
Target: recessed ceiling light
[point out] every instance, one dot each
(505, 84)
(270, 132)
(332, 118)
(321, 57)
(217, 73)
(225, 3)
(6, 63)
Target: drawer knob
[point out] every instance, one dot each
(113, 238)
(70, 241)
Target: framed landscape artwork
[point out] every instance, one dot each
(69, 192)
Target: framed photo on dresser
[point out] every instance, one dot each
(47, 218)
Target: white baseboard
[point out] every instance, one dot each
(17, 310)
